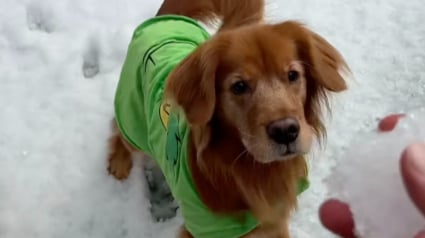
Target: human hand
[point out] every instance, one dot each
(336, 215)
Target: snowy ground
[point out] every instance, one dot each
(54, 120)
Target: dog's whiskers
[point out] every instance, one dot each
(253, 147)
(246, 134)
(239, 157)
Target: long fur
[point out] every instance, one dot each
(232, 13)
(228, 178)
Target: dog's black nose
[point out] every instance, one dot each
(284, 131)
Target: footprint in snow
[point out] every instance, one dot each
(91, 56)
(40, 17)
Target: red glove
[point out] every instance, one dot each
(336, 215)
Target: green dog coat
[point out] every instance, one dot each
(146, 122)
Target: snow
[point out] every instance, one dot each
(59, 65)
(370, 181)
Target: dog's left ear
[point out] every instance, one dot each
(192, 84)
(324, 68)
(324, 64)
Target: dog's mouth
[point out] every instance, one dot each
(271, 151)
(274, 154)
(287, 151)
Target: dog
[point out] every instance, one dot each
(228, 118)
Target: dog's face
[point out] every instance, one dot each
(261, 91)
(265, 82)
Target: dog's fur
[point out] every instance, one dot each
(235, 166)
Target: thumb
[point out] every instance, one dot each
(420, 235)
(413, 173)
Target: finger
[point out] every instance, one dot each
(413, 173)
(389, 122)
(420, 235)
(337, 218)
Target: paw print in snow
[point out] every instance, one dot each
(91, 56)
(40, 17)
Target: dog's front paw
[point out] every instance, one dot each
(164, 210)
(120, 167)
(163, 204)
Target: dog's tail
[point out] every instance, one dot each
(232, 13)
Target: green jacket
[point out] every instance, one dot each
(157, 46)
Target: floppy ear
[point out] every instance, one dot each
(192, 85)
(324, 64)
(323, 68)
(328, 64)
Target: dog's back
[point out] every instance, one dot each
(232, 13)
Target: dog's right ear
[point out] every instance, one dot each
(324, 64)
(191, 85)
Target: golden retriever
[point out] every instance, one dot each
(252, 98)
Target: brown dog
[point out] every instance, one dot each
(245, 106)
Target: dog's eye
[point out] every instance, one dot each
(239, 87)
(293, 75)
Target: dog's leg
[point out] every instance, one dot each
(119, 158)
(284, 231)
(183, 233)
(163, 204)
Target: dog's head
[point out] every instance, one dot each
(265, 82)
